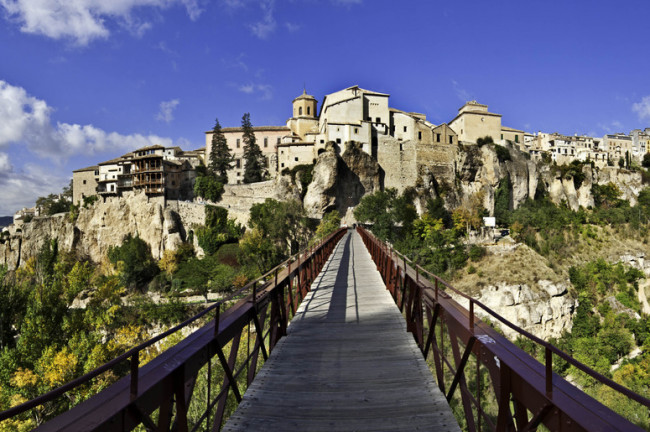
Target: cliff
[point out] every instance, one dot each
(105, 224)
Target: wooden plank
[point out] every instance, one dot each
(347, 362)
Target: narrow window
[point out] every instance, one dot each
(516, 138)
(300, 111)
(419, 135)
(356, 130)
(404, 128)
(437, 137)
(308, 110)
(238, 142)
(501, 136)
(451, 139)
(282, 165)
(266, 142)
(84, 181)
(278, 141)
(238, 163)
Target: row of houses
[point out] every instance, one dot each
(610, 148)
(155, 170)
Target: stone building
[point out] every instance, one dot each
(474, 121)
(84, 183)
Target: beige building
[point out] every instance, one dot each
(474, 121)
(267, 138)
(84, 183)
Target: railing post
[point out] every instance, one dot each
(216, 320)
(135, 363)
(549, 373)
(471, 315)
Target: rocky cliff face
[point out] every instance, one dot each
(339, 182)
(545, 310)
(103, 225)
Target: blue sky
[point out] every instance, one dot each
(82, 81)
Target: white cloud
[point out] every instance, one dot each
(26, 121)
(263, 29)
(20, 189)
(166, 113)
(265, 91)
(85, 20)
(5, 165)
(642, 108)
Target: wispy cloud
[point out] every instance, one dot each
(461, 93)
(612, 127)
(83, 21)
(265, 91)
(292, 27)
(267, 25)
(166, 113)
(642, 108)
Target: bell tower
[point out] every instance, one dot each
(304, 117)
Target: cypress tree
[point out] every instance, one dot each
(220, 156)
(252, 152)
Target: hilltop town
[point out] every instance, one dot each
(406, 146)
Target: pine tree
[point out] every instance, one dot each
(252, 153)
(220, 156)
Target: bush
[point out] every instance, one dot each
(476, 252)
(503, 153)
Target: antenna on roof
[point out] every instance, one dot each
(304, 88)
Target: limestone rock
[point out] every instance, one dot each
(545, 310)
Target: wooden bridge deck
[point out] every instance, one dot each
(347, 364)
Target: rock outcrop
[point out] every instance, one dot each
(339, 182)
(545, 311)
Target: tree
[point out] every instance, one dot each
(502, 199)
(621, 162)
(252, 153)
(386, 210)
(220, 156)
(209, 187)
(133, 259)
(646, 160)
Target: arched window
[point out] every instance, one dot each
(308, 110)
(300, 111)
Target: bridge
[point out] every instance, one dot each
(342, 336)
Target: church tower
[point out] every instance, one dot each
(304, 119)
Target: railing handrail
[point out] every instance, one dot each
(57, 392)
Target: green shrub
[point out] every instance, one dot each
(476, 252)
(133, 259)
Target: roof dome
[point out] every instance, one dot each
(304, 95)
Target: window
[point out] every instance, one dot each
(296, 159)
(322, 141)
(238, 142)
(278, 141)
(404, 128)
(356, 130)
(501, 136)
(437, 137)
(266, 142)
(338, 140)
(378, 119)
(282, 165)
(84, 181)
(238, 163)
(451, 139)
(419, 135)
(300, 111)
(308, 110)
(369, 119)
(516, 138)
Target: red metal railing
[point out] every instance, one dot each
(525, 392)
(159, 394)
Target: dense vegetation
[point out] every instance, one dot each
(61, 317)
